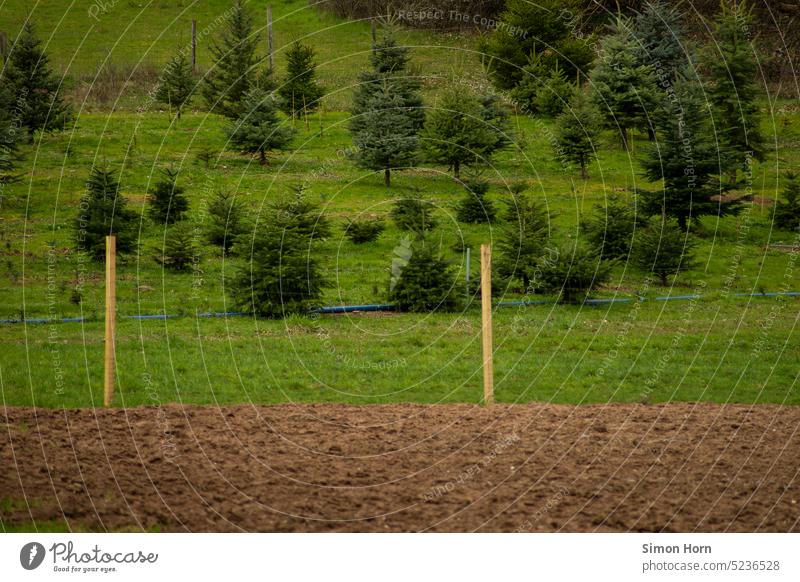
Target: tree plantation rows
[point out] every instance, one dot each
(696, 107)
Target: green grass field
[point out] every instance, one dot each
(107, 49)
(722, 351)
(720, 348)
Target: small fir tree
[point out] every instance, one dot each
(259, 129)
(363, 231)
(554, 93)
(283, 274)
(176, 85)
(300, 93)
(389, 63)
(623, 85)
(787, 211)
(686, 159)
(573, 272)
(9, 136)
(577, 131)
(426, 283)
(28, 73)
(265, 80)
(387, 112)
(103, 212)
(662, 43)
(226, 220)
(527, 88)
(463, 130)
(547, 32)
(167, 202)
(663, 249)
(179, 251)
(234, 70)
(415, 214)
(299, 212)
(610, 228)
(388, 138)
(524, 238)
(734, 92)
(474, 207)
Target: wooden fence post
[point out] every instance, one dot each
(111, 319)
(486, 323)
(194, 46)
(269, 34)
(467, 265)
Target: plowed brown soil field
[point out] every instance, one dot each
(674, 467)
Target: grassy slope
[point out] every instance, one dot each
(135, 38)
(543, 354)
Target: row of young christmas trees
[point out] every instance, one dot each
(389, 127)
(705, 129)
(283, 271)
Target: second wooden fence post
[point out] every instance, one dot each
(486, 323)
(111, 319)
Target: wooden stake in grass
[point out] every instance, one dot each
(194, 46)
(111, 319)
(486, 327)
(269, 34)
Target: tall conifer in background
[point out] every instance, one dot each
(300, 93)
(234, 71)
(732, 65)
(176, 85)
(387, 113)
(685, 157)
(622, 85)
(35, 85)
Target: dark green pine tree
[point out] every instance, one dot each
(300, 93)
(577, 130)
(732, 68)
(524, 238)
(554, 93)
(283, 273)
(387, 112)
(426, 282)
(388, 139)
(176, 86)
(265, 80)
(414, 213)
(167, 202)
(234, 71)
(9, 136)
(535, 28)
(787, 211)
(611, 228)
(663, 249)
(226, 220)
(34, 84)
(572, 271)
(464, 130)
(103, 212)
(474, 207)
(259, 129)
(179, 250)
(388, 62)
(685, 157)
(622, 85)
(662, 43)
